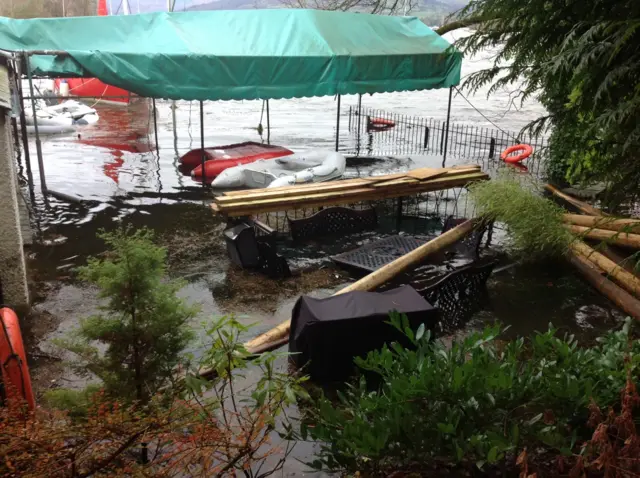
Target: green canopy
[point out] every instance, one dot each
(241, 54)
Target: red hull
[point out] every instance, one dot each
(94, 88)
(13, 360)
(223, 157)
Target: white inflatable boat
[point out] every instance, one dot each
(312, 167)
(60, 118)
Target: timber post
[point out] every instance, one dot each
(13, 277)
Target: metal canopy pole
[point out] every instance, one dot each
(43, 181)
(23, 131)
(268, 125)
(338, 125)
(155, 125)
(202, 157)
(446, 136)
(359, 116)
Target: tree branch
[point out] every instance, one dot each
(456, 25)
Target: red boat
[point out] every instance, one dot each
(220, 158)
(93, 87)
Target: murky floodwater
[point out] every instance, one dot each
(119, 172)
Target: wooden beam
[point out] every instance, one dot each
(611, 237)
(580, 205)
(599, 222)
(248, 206)
(613, 253)
(626, 279)
(594, 275)
(285, 191)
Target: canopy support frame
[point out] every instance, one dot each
(268, 125)
(446, 135)
(155, 126)
(202, 153)
(23, 130)
(43, 180)
(338, 125)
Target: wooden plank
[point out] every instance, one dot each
(268, 193)
(371, 194)
(366, 194)
(395, 182)
(327, 195)
(284, 189)
(319, 187)
(354, 181)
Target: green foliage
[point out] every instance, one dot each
(581, 60)
(472, 402)
(534, 223)
(134, 345)
(226, 426)
(75, 402)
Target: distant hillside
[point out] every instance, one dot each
(423, 7)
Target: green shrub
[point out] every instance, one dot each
(75, 402)
(533, 222)
(134, 344)
(473, 403)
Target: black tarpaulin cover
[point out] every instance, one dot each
(330, 332)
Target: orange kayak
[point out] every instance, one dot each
(13, 359)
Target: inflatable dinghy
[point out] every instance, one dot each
(296, 169)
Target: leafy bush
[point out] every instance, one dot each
(224, 427)
(475, 402)
(534, 223)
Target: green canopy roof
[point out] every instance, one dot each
(242, 54)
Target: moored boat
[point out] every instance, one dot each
(318, 166)
(60, 118)
(219, 158)
(93, 88)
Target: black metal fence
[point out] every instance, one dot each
(377, 132)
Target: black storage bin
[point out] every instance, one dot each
(326, 334)
(242, 246)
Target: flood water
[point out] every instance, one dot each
(119, 172)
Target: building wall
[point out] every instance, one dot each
(13, 278)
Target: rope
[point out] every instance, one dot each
(100, 99)
(484, 116)
(260, 128)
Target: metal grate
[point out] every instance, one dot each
(333, 220)
(379, 253)
(458, 295)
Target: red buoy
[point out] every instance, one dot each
(526, 152)
(380, 124)
(13, 360)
